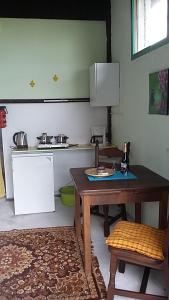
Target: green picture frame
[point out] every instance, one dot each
(158, 92)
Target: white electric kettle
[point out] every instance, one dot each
(20, 139)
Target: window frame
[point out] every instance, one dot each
(149, 48)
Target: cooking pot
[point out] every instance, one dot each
(61, 139)
(44, 138)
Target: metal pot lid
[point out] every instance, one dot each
(44, 139)
(41, 136)
(61, 135)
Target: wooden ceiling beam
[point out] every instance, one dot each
(50, 9)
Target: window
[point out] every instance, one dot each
(149, 25)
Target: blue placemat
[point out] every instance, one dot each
(116, 176)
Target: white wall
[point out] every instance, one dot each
(72, 119)
(149, 134)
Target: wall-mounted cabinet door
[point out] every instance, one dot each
(104, 84)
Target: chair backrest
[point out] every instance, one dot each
(109, 156)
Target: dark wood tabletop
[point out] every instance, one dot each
(146, 180)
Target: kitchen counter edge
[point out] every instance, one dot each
(35, 150)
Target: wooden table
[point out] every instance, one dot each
(148, 187)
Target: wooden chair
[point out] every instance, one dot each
(109, 157)
(141, 245)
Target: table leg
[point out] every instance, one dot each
(163, 206)
(87, 234)
(77, 214)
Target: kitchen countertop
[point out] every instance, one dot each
(35, 150)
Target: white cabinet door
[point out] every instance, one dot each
(104, 84)
(33, 181)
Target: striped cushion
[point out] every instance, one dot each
(141, 238)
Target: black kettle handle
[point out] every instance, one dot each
(14, 138)
(92, 139)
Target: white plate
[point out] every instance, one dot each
(93, 172)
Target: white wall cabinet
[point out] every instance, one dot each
(104, 84)
(33, 182)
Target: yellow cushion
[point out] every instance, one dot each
(141, 238)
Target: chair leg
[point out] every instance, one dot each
(122, 215)
(106, 220)
(109, 220)
(123, 212)
(122, 266)
(111, 285)
(112, 290)
(144, 280)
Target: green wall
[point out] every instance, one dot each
(34, 49)
(149, 134)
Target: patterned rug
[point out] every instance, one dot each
(46, 264)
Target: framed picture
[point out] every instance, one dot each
(158, 92)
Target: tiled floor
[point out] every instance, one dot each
(64, 216)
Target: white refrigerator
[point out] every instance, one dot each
(33, 182)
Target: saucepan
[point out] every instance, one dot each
(44, 138)
(61, 139)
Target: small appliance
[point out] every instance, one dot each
(96, 138)
(20, 139)
(45, 141)
(98, 133)
(53, 146)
